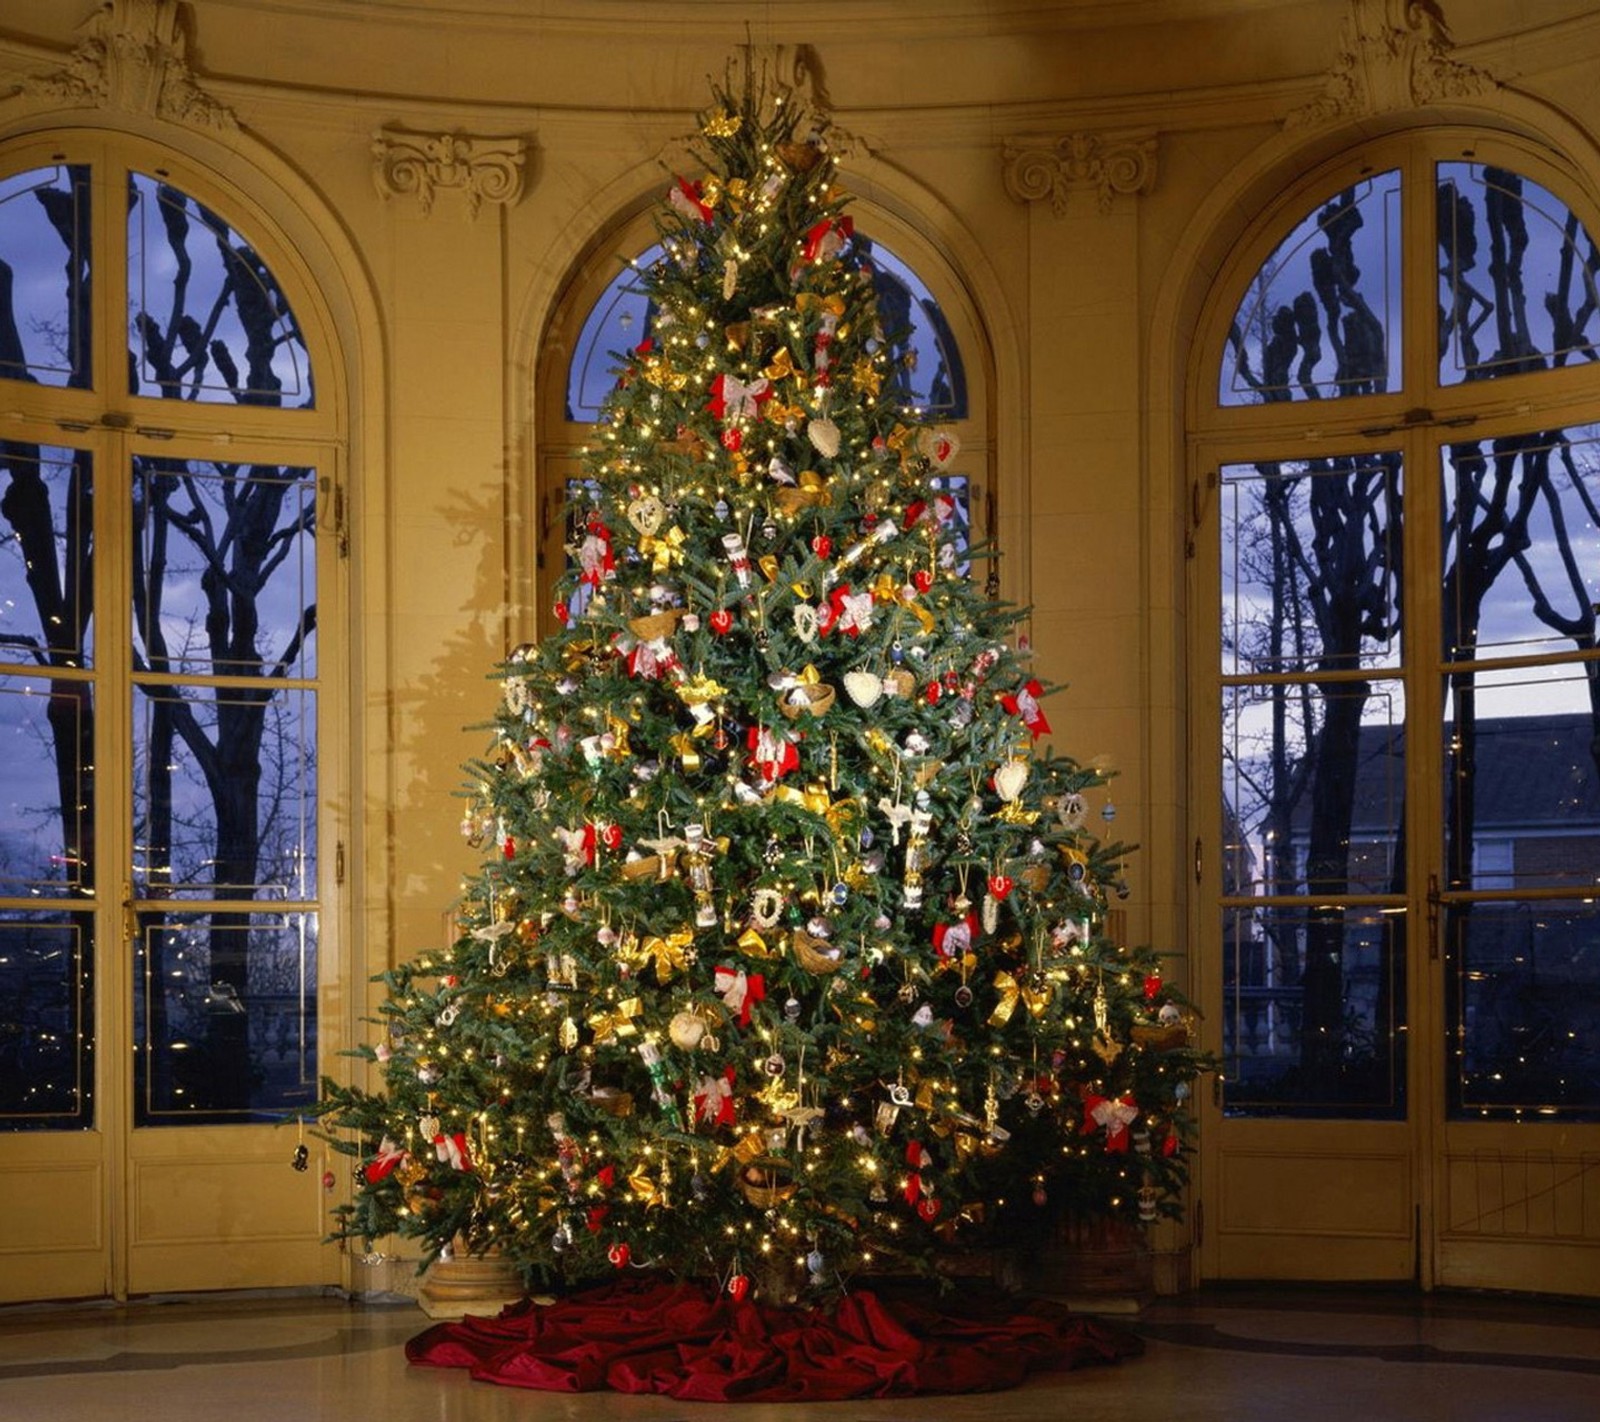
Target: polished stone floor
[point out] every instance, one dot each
(1235, 1354)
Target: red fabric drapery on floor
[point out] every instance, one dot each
(690, 1342)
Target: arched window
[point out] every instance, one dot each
(1400, 428)
(605, 312)
(166, 478)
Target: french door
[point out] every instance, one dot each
(1397, 586)
(168, 586)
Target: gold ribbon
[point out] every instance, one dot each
(810, 492)
(711, 188)
(663, 549)
(1037, 999)
(618, 1022)
(781, 414)
(668, 954)
(698, 690)
(747, 1149)
(768, 563)
(889, 589)
(753, 945)
(647, 1191)
(684, 746)
(782, 367)
(1010, 992)
(866, 377)
(658, 371)
(619, 737)
(810, 301)
(966, 963)
(814, 798)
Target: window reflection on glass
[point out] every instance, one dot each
(46, 542)
(46, 1021)
(209, 321)
(1314, 788)
(224, 1016)
(1523, 997)
(44, 276)
(46, 800)
(224, 795)
(1522, 771)
(928, 372)
(1517, 276)
(1311, 564)
(1314, 1012)
(224, 567)
(1522, 544)
(1322, 316)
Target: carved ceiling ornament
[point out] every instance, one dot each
(484, 169)
(133, 57)
(1394, 54)
(1106, 164)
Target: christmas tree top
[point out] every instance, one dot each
(789, 955)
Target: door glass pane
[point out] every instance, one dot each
(46, 592)
(224, 799)
(1314, 788)
(1522, 778)
(1517, 276)
(1321, 318)
(44, 276)
(1314, 1012)
(209, 320)
(1522, 544)
(224, 1016)
(46, 788)
(46, 1020)
(224, 567)
(1311, 564)
(1524, 1006)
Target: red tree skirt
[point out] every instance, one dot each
(689, 1342)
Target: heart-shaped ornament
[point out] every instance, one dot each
(863, 687)
(824, 436)
(721, 621)
(619, 1254)
(647, 513)
(939, 446)
(1000, 885)
(739, 1287)
(686, 1030)
(611, 835)
(922, 580)
(822, 545)
(1010, 778)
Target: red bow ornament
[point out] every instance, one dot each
(731, 398)
(1113, 1115)
(688, 200)
(852, 612)
(826, 239)
(1024, 702)
(389, 1158)
(740, 990)
(452, 1150)
(954, 940)
(774, 755)
(713, 1100)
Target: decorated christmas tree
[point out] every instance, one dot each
(789, 956)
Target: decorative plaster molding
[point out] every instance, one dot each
(1394, 54)
(1106, 164)
(485, 169)
(133, 57)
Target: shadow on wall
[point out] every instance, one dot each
(442, 716)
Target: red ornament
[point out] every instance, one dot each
(928, 1208)
(619, 1254)
(933, 693)
(1001, 884)
(822, 545)
(509, 848)
(1152, 986)
(611, 835)
(739, 1287)
(722, 622)
(922, 580)
(733, 439)
(562, 613)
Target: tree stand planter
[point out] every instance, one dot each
(467, 1284)
(1092, 1265)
